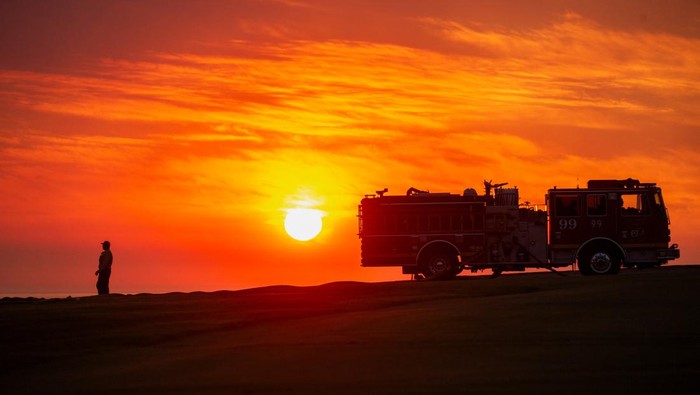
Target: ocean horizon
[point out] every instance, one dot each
(46, 295)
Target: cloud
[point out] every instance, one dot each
(568, 89)
(578, 62)
(571, 74)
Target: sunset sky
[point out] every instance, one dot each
(183, 131)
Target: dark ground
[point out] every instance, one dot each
(637, 332)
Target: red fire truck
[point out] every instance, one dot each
(609, 224)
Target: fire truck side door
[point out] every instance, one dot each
(565, 218)
(600, 217)
(636, 218)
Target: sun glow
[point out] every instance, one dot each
(303, 224)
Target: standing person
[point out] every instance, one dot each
(104, 269)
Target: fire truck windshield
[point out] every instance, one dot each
(634, 204)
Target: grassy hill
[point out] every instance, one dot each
(637, 332)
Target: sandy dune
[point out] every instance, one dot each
(638, 332)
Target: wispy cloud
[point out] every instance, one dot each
(560, 75)
(530, 92)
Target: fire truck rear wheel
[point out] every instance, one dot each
(439, 265)
(599, 261)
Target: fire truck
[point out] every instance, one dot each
(599, 229)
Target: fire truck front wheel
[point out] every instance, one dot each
(599, 261)
(439, 265)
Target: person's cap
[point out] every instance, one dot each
(107, 243)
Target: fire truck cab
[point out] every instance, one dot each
(609, 224)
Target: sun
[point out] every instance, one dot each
(303, 224)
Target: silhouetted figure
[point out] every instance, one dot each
(104, 269)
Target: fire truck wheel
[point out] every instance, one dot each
(599, 261)
(439, 265)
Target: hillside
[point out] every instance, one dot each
(637, 332)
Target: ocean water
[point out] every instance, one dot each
(45, 295)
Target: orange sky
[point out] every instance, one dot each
(182, 130)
